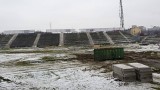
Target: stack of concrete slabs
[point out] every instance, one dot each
(124, 72)
(143, 72)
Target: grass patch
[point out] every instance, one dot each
(23, 63)
(48, 58)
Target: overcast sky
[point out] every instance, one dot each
(37, 14)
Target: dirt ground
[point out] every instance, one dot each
(149, 58)
(67, 68)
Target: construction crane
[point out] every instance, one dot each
(121, 15)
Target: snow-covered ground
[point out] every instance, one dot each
(142, 48)
(59, 75)
(156, 77)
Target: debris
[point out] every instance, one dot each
(3, 79)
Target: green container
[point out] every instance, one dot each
(103, 54)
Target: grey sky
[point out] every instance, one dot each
(37, 14)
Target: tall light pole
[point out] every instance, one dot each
(50, 25)
(121, 15)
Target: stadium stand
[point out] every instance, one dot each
(128, 35)
(75, 39)
(99, 38)
(24, 40)
(48, 39)
(152, 40)
(117, 37)
(4, 40)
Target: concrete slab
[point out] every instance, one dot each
(125, 78)
(123, 66)
(143, 72)
(124, 72)
(140, 67)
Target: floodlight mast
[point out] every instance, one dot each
(121, 15)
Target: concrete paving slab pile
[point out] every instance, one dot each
(143, 72)
(124, 72)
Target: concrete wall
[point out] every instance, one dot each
(99, 29)
(18, 31)
(60, 30)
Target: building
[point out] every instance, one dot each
(60, 30)
(99, 29)
(135, 30)
(154, 30)
(18, 31)
(142, 28)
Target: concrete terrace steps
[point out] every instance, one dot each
(125, 37)
(90, 39)
(151, 40)
(108, 37)
(64, 39)
(36, 40)
(61, 42)
(24, 40)
(143, 40)
(128, 35)
(48, 40)
(4, 40)
(116, 37)
(83, 39)
(11, 40)
(99, 38)
(76, 39)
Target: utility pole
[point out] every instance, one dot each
(121, 15)
(50, 25)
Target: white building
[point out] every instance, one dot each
(18, 31)
(60, 30)
(99, 29)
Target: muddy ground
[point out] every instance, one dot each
(149, 58)
(68, 68)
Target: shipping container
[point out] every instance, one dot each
(103, 54)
